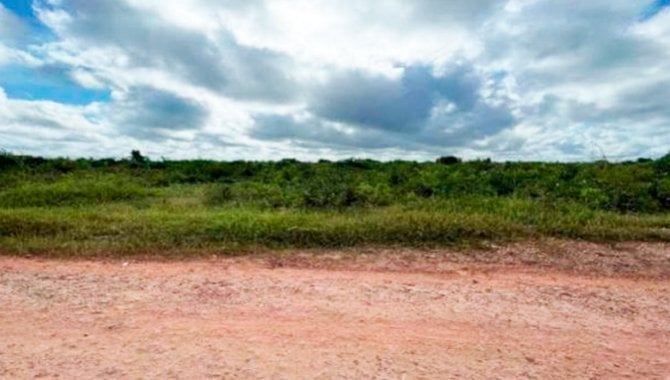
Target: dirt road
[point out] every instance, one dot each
(369, 314)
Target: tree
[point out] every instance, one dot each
(137, 156)
(449, 160)
(137, 159)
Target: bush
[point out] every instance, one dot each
(218, 194)
(662, 165)
(594, 198)
(69, 191)
(368, 195)
(8, 161)
(635, 186)
(252, 194)
(662, 191)
(449, 160)
(318, 194)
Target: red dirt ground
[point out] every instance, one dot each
(532, 310)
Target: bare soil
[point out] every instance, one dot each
(533, 310)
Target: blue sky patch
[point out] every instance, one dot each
(653, 9)
(24, 9)
(47, 83)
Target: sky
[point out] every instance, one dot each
(532, 80)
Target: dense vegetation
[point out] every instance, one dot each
(139, 204)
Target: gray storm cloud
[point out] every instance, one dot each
(152, 114)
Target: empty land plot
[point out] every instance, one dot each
(578, 310)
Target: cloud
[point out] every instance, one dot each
(12, 28)
(216, 62)
(395, 104)
(516, 79)
(310, 131)
(418, 110)
(151, 114)
(372, 100)
(468, 13)
(582, 74)
(40, 127)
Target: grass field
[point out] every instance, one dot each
(85, 208)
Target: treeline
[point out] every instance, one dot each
(641, 186)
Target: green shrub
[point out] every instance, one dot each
(252, 194)
(594, 198)
(322, 194)
(8, 161)
(69, 191)
(662, 165)
(636, 186)
(663, 192)
(368, 195)
(218, 194)
(449, 160)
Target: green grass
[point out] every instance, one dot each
(107, 207)
(174, 223)
(72, 191)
